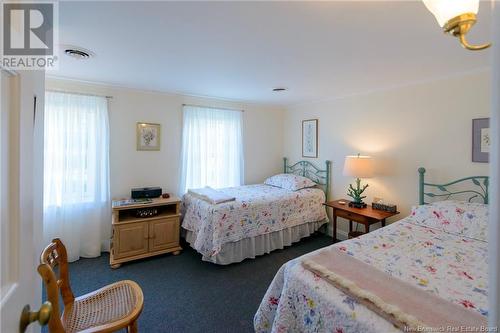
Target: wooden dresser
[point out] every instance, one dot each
(140, 237)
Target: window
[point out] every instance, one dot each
(76, 172)
(75, 148)
(212, 148)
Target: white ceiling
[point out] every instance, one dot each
(240, 50)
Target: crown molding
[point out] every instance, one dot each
(480, 70)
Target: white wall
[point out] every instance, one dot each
(427, 124)
(263, 134)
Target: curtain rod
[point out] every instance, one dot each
(212, 107)
(77, 93)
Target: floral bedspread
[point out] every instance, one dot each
(449, 265)
(258, 209)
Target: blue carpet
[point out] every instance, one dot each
(184, 294)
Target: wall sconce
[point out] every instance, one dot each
(456, 17)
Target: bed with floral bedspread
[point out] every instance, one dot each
(441, 248)
(258, 210)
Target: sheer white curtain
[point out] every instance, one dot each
(212, 148)
(76, 173)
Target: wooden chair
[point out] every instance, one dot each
(113, 307)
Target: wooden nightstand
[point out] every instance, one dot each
(366, 216)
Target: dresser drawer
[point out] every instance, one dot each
(352, 216)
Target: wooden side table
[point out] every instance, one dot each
(366, 216)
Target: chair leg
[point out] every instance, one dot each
(132, 328)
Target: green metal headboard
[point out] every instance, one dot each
(475, 187)
(311, 171)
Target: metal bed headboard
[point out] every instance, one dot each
(311, 171)
(470, 188)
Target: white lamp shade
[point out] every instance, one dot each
(444, 10)
(358, 166)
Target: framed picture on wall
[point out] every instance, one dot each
(310, 138)
(148, 136)
(481, 140)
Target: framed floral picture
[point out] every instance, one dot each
(310, 138)
(481, 140)
(148, 136)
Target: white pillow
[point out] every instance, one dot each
(289, 181)
(462, 218)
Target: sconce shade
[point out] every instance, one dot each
(358, 166)
(445, 10)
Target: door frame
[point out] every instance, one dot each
(13, 274)
(494, 225)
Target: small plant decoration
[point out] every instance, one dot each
(356, 193)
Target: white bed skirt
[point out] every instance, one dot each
(255, 246)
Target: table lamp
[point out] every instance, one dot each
(360, 167)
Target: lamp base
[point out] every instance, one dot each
(357, 204)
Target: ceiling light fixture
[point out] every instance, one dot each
(456, 17)
(279, 89)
